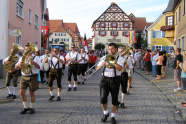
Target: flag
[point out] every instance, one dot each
(82, 42)
(85, 44)
(134, 36)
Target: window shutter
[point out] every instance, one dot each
(111, 25)
(123, 25)
(116, 24)
(167, 49)
(111, 33)
(105, 33)
(100, 24)
(166, 21)
(117, 33)
(99, 33)
(163, 34)
(129, 25)
(154, 34)
(153, 48)
(163, 48)
(122, 33)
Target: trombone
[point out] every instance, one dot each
(110, 59)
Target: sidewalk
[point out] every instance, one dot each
(167, 86)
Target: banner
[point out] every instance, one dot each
(45, 36)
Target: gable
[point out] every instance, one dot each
(159, 23)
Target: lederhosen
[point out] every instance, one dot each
(42, 74)
(72, 70)
(82, 68)
(110, 84)
(55, 73)
(124, 81)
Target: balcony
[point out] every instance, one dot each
(169, 31)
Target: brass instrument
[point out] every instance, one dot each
(70, 63)
(124, 69)
(27, 68)
(13, 59)
(110, 59)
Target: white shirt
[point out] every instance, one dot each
(129, 62)
(54, 61)
(73, 55)
(83, 61)
(34, 69)
(43, 57)
(110, 72)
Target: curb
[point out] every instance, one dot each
(177, 106)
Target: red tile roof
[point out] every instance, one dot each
(148, 24)
(55, 24)
(139, 23)
(73, 26)
(60, 29)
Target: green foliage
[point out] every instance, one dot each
(98, 46)
(119, 45)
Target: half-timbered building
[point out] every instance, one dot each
(112, 26)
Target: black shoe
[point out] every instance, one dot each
(43, 82)
(51, 97)
(122, 105)
(112, 120)
(32, 111)
(13, 97)
(104, 118)
(78, 82)
(37, 87)
(69, 89)
(9, 95)
(127, 93)
(130, 86)
(24, 110)
(74, 88)
(83, 82)
(46, 82)
(58, 98)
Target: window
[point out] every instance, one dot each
(126, 24)
(19, 8)
(53, 39)
(29, 15)
(158, 34)
(66, 39)
(126, 33)
(158, 48)
(36, 21)
(57, 34)
(102, 32)
(114, 33)
(114, 24)
(36, 43)
(60, 39)
(170, 20)
(183, 45)
(63, 34)
(183, 7)
(179, 13)
(171, 49)
(102, 24)
(18, 40)
(178, 42)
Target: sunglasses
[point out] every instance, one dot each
(72, 47)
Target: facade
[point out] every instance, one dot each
(180, 24)
(112, 26)
(69, 33)
(157, 38)
(25, 16)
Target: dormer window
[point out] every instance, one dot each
(102, 24)
(170, 21)
(114, 24)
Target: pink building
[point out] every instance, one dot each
(25, 16)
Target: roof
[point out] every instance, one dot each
(148, 24)
(60, 29)
(131, 15)
(139, 23)
(55, 24)
(154, 23)
(171, 6)
(73, 26)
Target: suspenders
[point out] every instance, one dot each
(55, 65)
(76, 56)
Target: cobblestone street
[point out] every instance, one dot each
(145, 105)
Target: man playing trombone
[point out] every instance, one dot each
(110, 81)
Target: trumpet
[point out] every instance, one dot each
(110, 59)
(70, 62)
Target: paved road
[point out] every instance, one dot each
(145, 105)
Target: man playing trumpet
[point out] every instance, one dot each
(28, 80)
(110, 82)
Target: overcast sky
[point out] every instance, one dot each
(84, 12)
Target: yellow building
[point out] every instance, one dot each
(158, 36)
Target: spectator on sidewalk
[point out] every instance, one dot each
(177, 70)
(159, 63)
(154, 57)
(163, 68)
(141, 58)
(148, 63)
(183, 75)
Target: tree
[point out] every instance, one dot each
(119, 45)
(99, 46)
(139, 39)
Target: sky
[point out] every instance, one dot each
(85, 12)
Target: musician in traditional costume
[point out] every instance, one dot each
(12, 74)
(64, 55)
(73, 58)
(45, 66)
(56, 62)
(30, 66)
(110, 82)
(92, 60)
